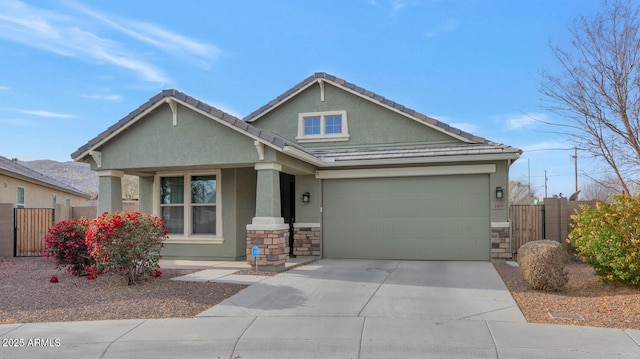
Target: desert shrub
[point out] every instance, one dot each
(65, 241)
(542, 265)
(126, 242)
(607, 237)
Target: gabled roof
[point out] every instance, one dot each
(186, 100)
(16, 170)
(472, 145)
(371, 96)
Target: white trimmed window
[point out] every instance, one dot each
(189, 204)
(322, 126)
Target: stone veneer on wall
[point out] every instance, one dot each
(500, 243)
(306, 241)
(273, 250)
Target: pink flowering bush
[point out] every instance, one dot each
(126, 242)
(65, 242)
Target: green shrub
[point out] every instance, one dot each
(607, 237)
(542, 265)
(65, 242)
(126, 242)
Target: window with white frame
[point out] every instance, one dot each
(189, 204)
(322, 126)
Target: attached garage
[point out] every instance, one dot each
(415, 218)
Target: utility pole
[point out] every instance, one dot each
(575, 165)
(545, 184)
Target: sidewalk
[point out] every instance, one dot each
(368, 331)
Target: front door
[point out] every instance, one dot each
(288, 204)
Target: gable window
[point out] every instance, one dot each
(20, 197)
(322, 126)
(189, 205)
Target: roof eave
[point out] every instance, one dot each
(421, 160)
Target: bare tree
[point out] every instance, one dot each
(520, 193)
(598, 89)
(129, 187)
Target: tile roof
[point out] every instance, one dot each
(171, 93)
(366, 93)
(474, 145)
(406, 152)
(13, 169)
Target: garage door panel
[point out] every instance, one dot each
(438, 217)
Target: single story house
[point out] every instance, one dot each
(22, 187)
(25, 188)
(343, 171)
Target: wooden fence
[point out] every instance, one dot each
(548, 221)
(527, 224)
(30, 228)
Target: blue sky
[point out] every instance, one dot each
(70, 69)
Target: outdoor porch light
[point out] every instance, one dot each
(499, 192)
(305, 197)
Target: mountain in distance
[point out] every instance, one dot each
(75, 174)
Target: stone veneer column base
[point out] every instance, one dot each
(306, 240)
(273, 249)
(500, 241)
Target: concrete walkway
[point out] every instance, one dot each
(337, 309)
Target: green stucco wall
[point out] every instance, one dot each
(153, 142)
(369, 123)
(308, 212)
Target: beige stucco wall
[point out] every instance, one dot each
(35, 195)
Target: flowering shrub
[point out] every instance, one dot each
(129, 242)
(608, 238)
(65, 241)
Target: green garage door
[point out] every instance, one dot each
(424, 218)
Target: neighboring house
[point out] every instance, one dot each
(346, 172)
(25, 188)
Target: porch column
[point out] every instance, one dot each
(109, 191)
(267, 229)
(145, 194)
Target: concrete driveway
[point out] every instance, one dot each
(378, 289)
(340, 309)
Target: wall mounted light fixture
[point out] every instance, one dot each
(305, 197)
(499, 193)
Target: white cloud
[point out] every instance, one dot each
(74, 36)
(103, 97)
(525, 120)
(177, 45)
(4, 88)
(44, 113)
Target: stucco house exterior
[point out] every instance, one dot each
(345, 172)
(25, 188)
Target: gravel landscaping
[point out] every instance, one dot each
(27, 296)
(585, 301)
